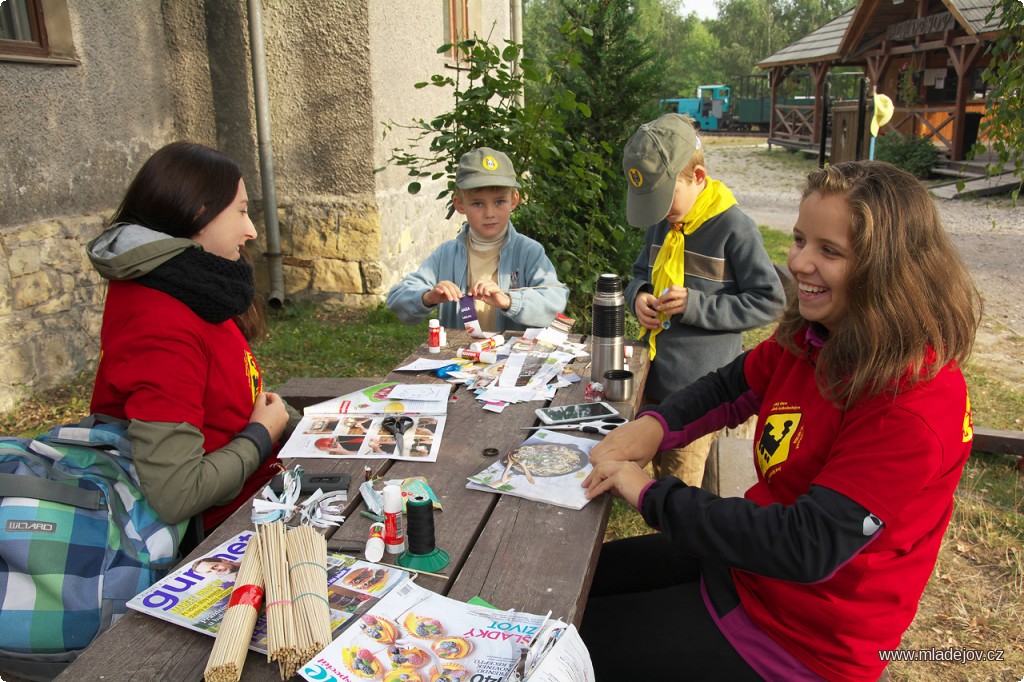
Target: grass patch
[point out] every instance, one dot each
(303, 341)
(776, 243)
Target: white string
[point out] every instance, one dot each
(274, 507)
(323, 510)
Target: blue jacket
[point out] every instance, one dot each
(521, 263)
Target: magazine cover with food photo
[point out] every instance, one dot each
(416, 634)
(548, 467)
(196, 595)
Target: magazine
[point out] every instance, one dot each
(548, 467)
(416, 634)
(359, 436)
(352, 425)
(196, 596)
(375, 400)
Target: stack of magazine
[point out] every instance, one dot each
(352, 426)
(385, 627)
(415, 634)
(196, 596)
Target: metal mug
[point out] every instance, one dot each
(618, 385)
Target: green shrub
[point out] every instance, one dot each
(915, 155)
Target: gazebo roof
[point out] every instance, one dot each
(973, 15)
(817, 46)
(843, 38)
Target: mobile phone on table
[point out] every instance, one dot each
(569, 414)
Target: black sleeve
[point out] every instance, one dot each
(718, 399)
(804, 543)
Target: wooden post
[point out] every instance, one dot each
(819, 71)
(862, 104)
(963, 58)
(776, 76)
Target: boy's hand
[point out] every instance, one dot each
(442, 291)
(673, 301)
(489, 292)
(646, 313)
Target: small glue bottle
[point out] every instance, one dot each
(375, 543)
(434, 338)
(484, 356)
(394, 524)
(488, 344)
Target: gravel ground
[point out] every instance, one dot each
(988, 232)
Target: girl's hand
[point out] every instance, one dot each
(646, 312)
(489, 292)
(269, 410)
(622, 479)
(638, 441)
(442, 291)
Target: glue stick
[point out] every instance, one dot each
(394, 524)
(488, 344)
(484, 356)
(375, 543)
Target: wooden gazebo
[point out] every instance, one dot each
(927, 55)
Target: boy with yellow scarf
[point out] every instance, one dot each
(702, 276)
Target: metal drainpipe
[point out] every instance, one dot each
(259, 81)
(515, 8)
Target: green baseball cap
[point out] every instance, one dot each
(652, 161)
(485, 167)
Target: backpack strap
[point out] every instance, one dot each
(14, 485)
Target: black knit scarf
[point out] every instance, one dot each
(214, 288)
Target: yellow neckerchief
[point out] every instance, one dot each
(668, 266)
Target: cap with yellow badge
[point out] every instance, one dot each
(485, 167)
(652, 161)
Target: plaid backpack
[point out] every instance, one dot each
(77, 541)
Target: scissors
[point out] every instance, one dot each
(397, 426)
(602, 426)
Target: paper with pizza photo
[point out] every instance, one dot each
(547, 467)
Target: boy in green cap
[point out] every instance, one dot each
(702, 277)
(488, 260)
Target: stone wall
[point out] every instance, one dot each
(339, 72)
(50, 303)
(332, 251)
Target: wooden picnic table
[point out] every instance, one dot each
(512, 552)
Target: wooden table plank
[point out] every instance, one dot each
(535, 557)
(469, 430)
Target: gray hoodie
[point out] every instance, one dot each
(126, 251)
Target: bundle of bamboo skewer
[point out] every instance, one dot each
(307, 556)
(280, 617)
(233, 637)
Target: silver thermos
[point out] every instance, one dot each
(609, 326)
